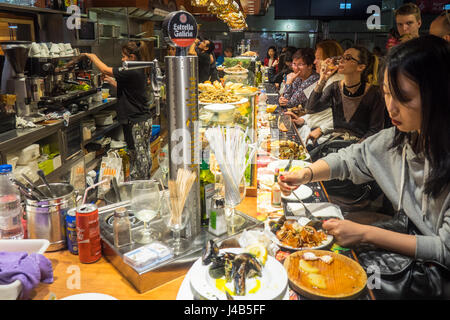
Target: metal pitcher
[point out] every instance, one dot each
(46, 218)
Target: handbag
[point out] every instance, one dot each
(399, 276)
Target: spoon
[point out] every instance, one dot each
(44, 179)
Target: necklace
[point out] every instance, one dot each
(355, 85)
(357, 93)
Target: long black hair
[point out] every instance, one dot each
(275, 50)
(426, 61)
(367, 58)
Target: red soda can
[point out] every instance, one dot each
(88, 233)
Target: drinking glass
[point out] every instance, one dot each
(176, 222)
(284, 124)
(163, 159)
(146, 203)
(233, 197)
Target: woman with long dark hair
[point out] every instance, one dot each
(133, 109)
(356, 101)
(271, 57)
(410, 161)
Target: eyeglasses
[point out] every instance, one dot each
(348, 57)
(299, 64)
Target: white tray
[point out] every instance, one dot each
(11, 291)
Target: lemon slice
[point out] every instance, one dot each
(259, 251)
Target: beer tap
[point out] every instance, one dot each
(156, 77)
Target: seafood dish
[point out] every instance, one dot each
(237, 69)
(218, 96)
(235, 268)
(290, 233)
(288, 149)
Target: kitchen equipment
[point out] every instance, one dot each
(46, 218)
(13, 77)
(41, 175)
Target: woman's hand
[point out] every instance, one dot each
(110, 80)
(283, 101)
(325, 72)
(291, 77)
(346, 232)
(275, 63)
(314, 135)
(89, 55)
(296, 119)
(292, 180)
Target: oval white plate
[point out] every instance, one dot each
(89, 296)
(243, 100)
(219, 107)
(302, 221)
(303, 192)
(274, 281)
(283, 163)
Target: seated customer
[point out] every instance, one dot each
(357, 104)
(409, 161)
(301, 81)
(285, 66)
(312, 124)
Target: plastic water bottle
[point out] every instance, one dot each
(262, 101)
(10, 207)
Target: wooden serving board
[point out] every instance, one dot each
(344, 277)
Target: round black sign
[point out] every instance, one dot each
(180, 29)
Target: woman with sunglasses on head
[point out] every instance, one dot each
(410, 161)
(133, 109)
(357, 104)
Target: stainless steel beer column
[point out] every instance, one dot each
(182, 104)
(180, 29)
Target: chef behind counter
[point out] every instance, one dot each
(133, 106)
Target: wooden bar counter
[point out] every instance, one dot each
(72, 277)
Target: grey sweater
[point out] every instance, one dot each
(373, 160)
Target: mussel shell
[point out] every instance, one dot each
(209, 252)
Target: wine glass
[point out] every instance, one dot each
(146, 203)
(163, 159)
(176, 222)
(233, 197)
(284, 124)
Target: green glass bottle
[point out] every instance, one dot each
(207, 186)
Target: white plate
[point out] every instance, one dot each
(219, 107)
(185, 292)
(283, 163)
(321, 209)
(243, 100)
(302, 221)
(89, 296)
(303, 192)
(274, 281)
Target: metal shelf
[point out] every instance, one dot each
(100, 132)
(28, 9)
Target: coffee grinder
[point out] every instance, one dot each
(13, 77)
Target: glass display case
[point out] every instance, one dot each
(219, 111)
